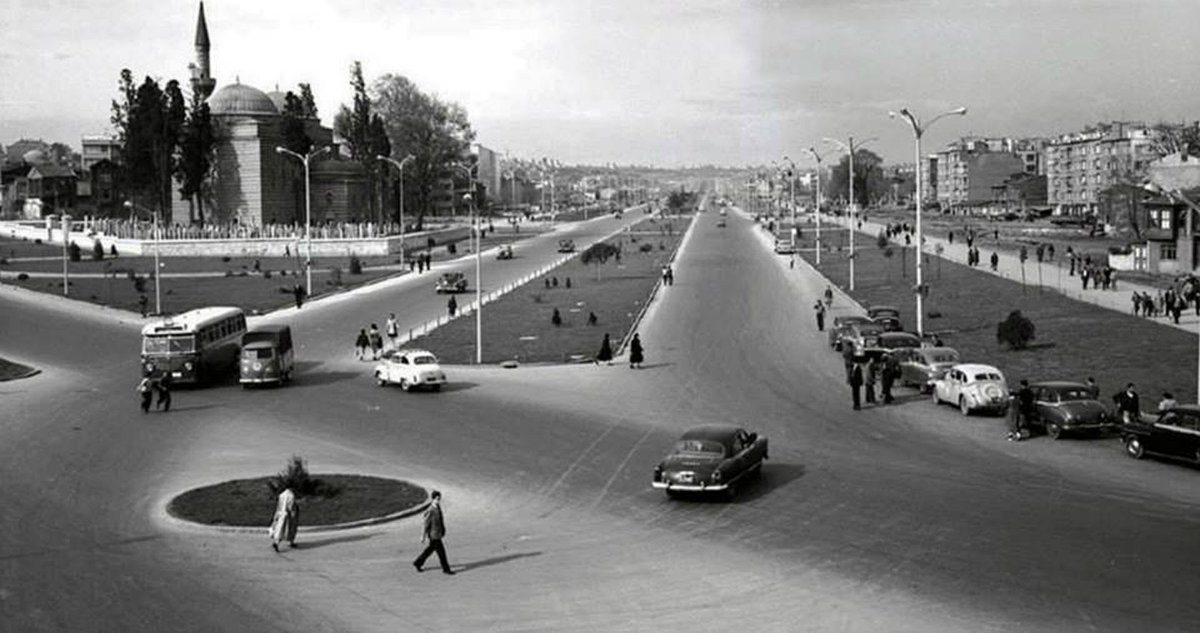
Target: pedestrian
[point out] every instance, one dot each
(287, 250)
(605, 355)
(1083, 276)
(950, 237)
(1021, 409)
(1167, 403)
(1128, 405)
(995, 261)
(452, 306)
(856, 380)
(828, 296)
(889, 371)
(1137, 303)
(143, 303)
(635, 352)
(163, 387)
(145, 389)
(376, 340)
(1093, 388)
(819, 308)
(869, 376)
(592, 320)
(361, 343)
(392, 329)
(286, 520)
(433, 531)
(298, 294)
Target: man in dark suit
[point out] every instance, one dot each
(856, 381)
(434, 531)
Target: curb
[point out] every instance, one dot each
(311, 529)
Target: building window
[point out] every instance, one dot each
(1167, 251)
(1161, 219)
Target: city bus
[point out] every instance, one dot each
(193, 347)
(267, 355)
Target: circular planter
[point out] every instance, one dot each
(340, 501)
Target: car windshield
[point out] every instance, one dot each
(1071, 393)
(706, 447)
(900, 341)
(424, 359)
(941, 357)
(168, 344)
(987, 376)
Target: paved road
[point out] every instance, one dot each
(906, 518)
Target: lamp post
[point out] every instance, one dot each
(918, 132)
(817, 157)
(307, 211)
(792, 195)
(129, 204)
(66, 231)
(850, 148)
(399, 164)
(469, 198)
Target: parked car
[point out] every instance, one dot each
(889, 323)
(878, 311)
(451, 282)
(862, 335)
(1174, 433)
(1069, 407)
(711, 458)
(972, 388)
(840, 327)
(892, 340)
(566, 246)
(784, 246)
(505, 252)
(411, 369)
(921, 366)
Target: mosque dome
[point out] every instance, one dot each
(240, 99)
(35, 157)
(278, 98)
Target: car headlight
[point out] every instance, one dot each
(257, 366)
(716, 475)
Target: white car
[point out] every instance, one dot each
(972, 388)
(411, 369)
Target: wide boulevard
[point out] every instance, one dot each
(898, 518)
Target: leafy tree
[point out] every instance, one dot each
(196, 159)
(291, 125)
(150, 121)
(598, 254)
(436, 133)
(869, 183)
(365, 137)
(1016, 331)
(307, 101)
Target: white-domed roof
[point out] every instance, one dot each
(35, 157)
(242, 100)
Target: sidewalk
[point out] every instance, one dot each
(1054, 274)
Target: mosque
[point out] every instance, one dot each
(254, 185)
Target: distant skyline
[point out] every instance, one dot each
(666, 83)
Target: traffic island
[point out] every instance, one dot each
(15, 371)
(334, 501)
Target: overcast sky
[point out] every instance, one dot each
(637, 81)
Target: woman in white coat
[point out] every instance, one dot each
(287, 519)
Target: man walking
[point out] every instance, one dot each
(1128, 404)
(452, 306)
(819, 308)
(163, 386)
(392, 330)
(995, 261)
(298, 295)
(856, 381)
(888, 374)
(433, 532)
(1022, 410)
(869, 376)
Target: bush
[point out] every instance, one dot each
(355, 265)
(37, 241)
(335, 276)
(139, 283)
(225, 259)
(296, 477)
(1016, 331)
(22, 277)
(97, 251)
(266, 274)
(452, 248)
(556, 318)
(646, 247)
(74, 252)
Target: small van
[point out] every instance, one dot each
(267, 355)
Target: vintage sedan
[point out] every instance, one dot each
(712, 458)
(411, 369)
(878, 311)
(1174, 433)
(921, 366)
(863, 336)
(891, 340)
(1068, 407)
(840, 327)
(451, 282)
(566, 246)
(972, 388)
(505, 252)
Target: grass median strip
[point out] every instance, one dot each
(521, 326)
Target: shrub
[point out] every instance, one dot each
(37, 241)
(335, 276)
(537, 297)
(225, 259)
(556, 318)
(74, 252)
(646, 247)
(97, 251)
(452, 248)
(139, 283)
(355, 265)
(3, 261)
(296, 477)
(22, 277)
(266, 274)
(1016, 331)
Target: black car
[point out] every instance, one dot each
(1174, 433)
(711, 458)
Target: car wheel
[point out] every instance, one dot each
(404, 386)
(672, 494)
(963, 406)
(936, 399)
(1053, 430)
(380, 380)
(436, 387)
(1133, 447)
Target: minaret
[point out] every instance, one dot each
(202, 81)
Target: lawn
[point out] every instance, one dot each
(1074, 339)
(250, 502)
(518, 325)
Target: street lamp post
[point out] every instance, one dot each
(792, 195)
(817, 211)
(399, 164)
(850, 148)
(157, 266)
(469, 198)
(307, 210)
(918, 132)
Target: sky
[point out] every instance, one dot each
(663, 82)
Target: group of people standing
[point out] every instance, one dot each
(1171, 302)
(636, 353)
(863, 372)
(160, 385)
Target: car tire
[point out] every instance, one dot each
(963, 406)
(404, 386)
(933, 393)
(671, 494)
(1053, 430)
(380, 380)
(436, 387)
(1134, 448)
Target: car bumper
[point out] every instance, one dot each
(260, 380)
(669, 486)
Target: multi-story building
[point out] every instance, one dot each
(1079, 166)
(1032, 152)
(968, 169)
(98, 147)
(929, 178)
(487, 173)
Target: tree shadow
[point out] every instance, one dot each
(654, 365)
(496, 560)
(459, 386)
(194, 407)
(314, 544)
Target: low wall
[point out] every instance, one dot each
(237, 247)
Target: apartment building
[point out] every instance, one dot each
(969, 169)
(1081, 165)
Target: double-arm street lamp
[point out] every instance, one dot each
(817, 207)
(919, 131)
(791, 172)
(399, 164)
(129, 204)
(305, 158)
(850, 148)
(469, 197)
